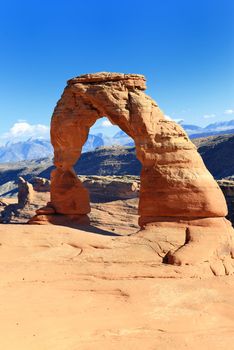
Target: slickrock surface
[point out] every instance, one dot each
(68, 289)
(177, 191)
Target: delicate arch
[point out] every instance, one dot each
(178, 196)
(174, 180)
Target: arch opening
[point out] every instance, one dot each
(104, 133)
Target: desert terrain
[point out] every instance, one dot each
(102, 286)
(97, 288)
(71, 279)
(117, 175)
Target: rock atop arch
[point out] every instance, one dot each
(178, 195)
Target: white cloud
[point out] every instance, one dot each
(208, 116)
(106, 123)
(167, 117)
(22, 130)
(229, 111)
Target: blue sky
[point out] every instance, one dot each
(185, 48)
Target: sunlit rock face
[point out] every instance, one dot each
(174, 180)
(177, 192)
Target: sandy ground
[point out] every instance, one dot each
(67, 289)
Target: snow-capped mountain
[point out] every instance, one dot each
(218, 128)
(121, 138)
(93, 142)
(190, 128)
(25, 150)
(41, 148)
(226, 127)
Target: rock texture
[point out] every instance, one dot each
(111, 188)
(176, 188)
(25, 192)
(41, 184)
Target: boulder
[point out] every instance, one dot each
(41, 184)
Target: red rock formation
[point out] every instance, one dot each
(25, 192)
(176, 188)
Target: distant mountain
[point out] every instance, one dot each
(190, 128)
(100, 140)
(120, 134)
(25, 150)
(194, 131)
(39, 148)
(211, 133)
(218, 128)
(216, 151)
(121, 138)
(93, 142)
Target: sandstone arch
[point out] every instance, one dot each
(177, 191)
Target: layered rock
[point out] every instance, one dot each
(110, 188)
(176, 188)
